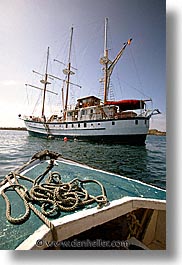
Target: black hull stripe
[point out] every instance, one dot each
(138, 139)
(67, 129)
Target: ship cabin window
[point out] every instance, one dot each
(136, 122)
(72, 125)
(66, 125)
(113, 122)
(84, 112)
(91, 111)
(78, 125)
(69, 113)
(85, 124)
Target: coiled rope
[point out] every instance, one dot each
(53, 196)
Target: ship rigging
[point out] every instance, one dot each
(121, 121)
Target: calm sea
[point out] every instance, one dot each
(145, 163)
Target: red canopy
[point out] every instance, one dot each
(127, 104)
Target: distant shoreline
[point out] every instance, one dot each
(13, 128)
(151, 131)
(156, 132)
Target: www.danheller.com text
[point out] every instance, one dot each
(97, 243)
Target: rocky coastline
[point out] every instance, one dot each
(156, 132)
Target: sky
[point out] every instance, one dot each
(28, 27)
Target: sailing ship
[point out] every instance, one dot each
(108, 121)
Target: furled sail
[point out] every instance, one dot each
(127, 104)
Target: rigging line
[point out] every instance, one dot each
(119, 81)
(74, 57)
(64, 39)
(110, 39)
(53, 81)
(50, 63)
(49, 100)
(136, 89)
(77, 77)
(136, 69)
(36, 103)
(85, 56)
(62, 54)
(27, 96)
(94, 35)
(41, 67)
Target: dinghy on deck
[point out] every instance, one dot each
(54, 203)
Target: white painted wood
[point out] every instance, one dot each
(76, 223)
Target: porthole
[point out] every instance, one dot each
(136, 122)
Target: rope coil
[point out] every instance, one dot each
(53, 196)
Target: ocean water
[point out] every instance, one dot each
(145, 163)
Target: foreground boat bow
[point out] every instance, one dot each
(107, 208)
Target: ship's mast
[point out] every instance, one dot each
(106, 61)
(109, 65)
(45, 83)
(68, 72)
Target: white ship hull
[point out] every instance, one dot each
(131, 130)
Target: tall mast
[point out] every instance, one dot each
(62, 93)
(69, 72)
(45, 83)
(109, 65)
(105, 40)
(105, 61)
